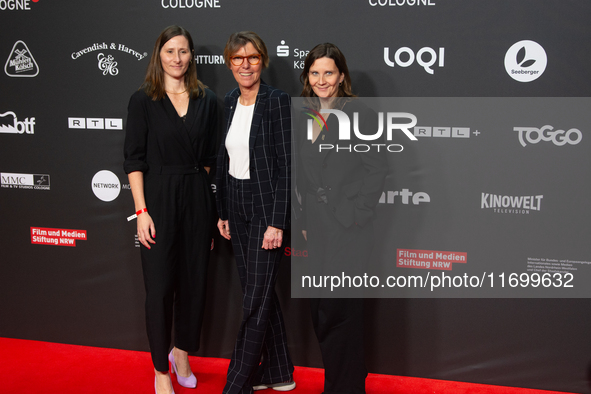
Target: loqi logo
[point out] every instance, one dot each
(534, 135)
(345, 129)
(426, 57)
(10, 125)
(95, 123)
(525, 61)
(106, 186)
(20, 62)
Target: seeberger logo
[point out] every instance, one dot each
(344, 133)
(107, 63)
(20, 62)
(9, 124)
(525, 61)
(533, 135)
(9, 180)
(518, 205)
(106, 186)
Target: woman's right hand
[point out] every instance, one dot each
(146, 230)
(224, 228)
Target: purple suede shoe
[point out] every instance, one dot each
(189, 382)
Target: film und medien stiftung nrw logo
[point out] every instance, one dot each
(106, 186)
(525, 61)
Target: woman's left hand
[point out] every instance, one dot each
(273, 238)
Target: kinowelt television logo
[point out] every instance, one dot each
(392, 120)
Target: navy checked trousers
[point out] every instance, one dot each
(260, 354)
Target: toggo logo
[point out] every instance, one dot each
(533, 135)
(426, 57)
(345, 130)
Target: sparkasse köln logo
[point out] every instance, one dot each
(525, 61)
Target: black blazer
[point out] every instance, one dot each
(352, 182)
(269, 155)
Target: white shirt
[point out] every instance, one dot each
(237, 141)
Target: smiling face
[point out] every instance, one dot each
(175, 56)
(247, 75)
(324, 77)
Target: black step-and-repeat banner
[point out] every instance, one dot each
(510, 199)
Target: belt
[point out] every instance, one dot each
(174, 170)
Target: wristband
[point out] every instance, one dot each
(130, 218)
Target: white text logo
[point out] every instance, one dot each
(405, 196)
(425, 57)
(106, 186)
(511, 204)
(191, 4)
(21, 62)
(533, 135)
(95, 123)
(10, 125)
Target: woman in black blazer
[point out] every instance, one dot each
(169, 149)
(253, 200)
(339, 191)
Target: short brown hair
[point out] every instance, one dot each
(154, 82)
(242, 38)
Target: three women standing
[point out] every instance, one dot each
(169, 149)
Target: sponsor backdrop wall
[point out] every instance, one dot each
(497, 183)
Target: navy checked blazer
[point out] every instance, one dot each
(269, 155)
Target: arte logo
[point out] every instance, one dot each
(533, 135)
(444, 132)
(519, 205)
(106, 186)
(405, 196)
(299, 55)
(106, 63)
(9, 124)
(95, 123)
(344, 132)
(11, 180)
(429, 259)
(525, 61)
(426, 57)
(16, 5)
(56, 236)
(190, 3)
(20, 62)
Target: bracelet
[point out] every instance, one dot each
(141, 211)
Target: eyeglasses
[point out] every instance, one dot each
(253, 60)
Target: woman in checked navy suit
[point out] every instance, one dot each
(253, 200)
(169, 149)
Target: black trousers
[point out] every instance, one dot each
(260, 354)
(175, 268)
(338, 323)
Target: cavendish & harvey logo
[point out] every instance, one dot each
(107, 62)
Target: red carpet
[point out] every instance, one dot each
(32, 367)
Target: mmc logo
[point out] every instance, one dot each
(402, 121)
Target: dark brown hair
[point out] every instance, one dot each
(330, 51)
(154, 82)
(242, 38)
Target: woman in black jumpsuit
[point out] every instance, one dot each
(169, 149)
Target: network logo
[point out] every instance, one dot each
(525, 61)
